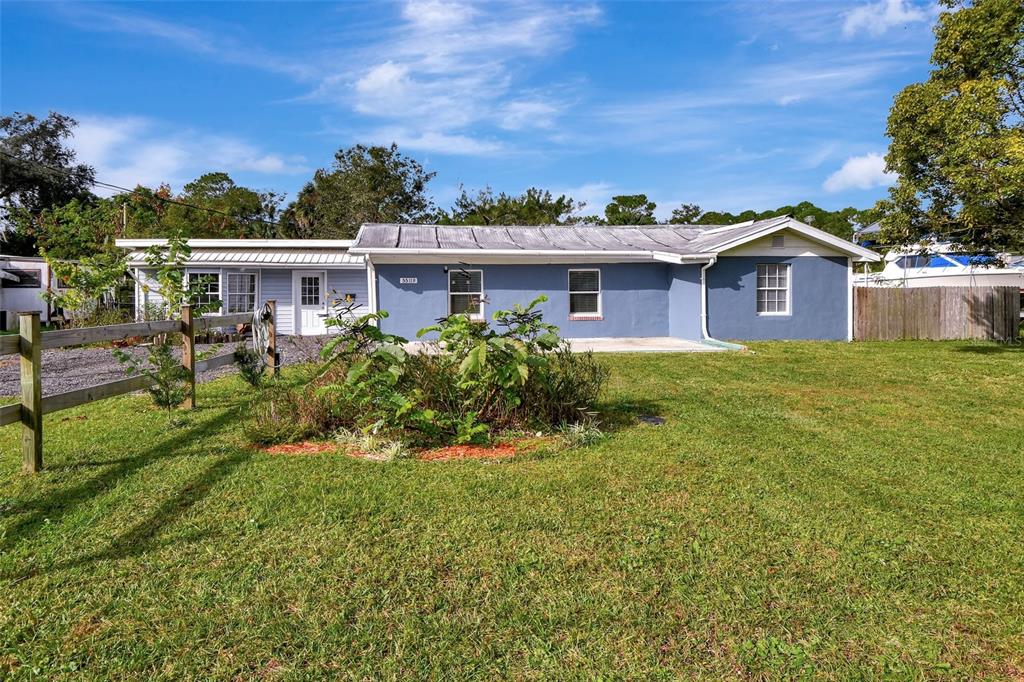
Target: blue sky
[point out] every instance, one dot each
(732, 105)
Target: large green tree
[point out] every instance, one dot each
(958, 138)
(210, 206)
(213, 205)
(630, 209)
(841, 223)
(364, 185)
(38, 171)
(532, 207)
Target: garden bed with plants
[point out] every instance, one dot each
(473, 383)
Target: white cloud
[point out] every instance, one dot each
(130, 150)
(449, 66)
(437, 142)
(878, 17)
(523, 114)
(436, 14)
(595, 196)
(217, 45)
(860, 172)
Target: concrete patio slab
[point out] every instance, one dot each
(646, 344)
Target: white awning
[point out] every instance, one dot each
(261, 257)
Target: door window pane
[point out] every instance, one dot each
(310, 289)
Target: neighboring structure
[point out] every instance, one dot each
(305, 276)
(770, 279)
(942, 264)
(23, 280)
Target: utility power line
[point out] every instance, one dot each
(126, 190)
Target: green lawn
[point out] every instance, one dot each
(827, 510)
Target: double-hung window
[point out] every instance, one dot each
(773, 288)
(241, 294)
(584, 293)
(466, 293)
(207, 284)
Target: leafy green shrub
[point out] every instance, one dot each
(472, 381)
(168, 377)
(250, 365)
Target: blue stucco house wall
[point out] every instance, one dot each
(818, 309)
(635, 296)
(638, 299)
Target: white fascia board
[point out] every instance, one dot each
(679, 259)
(859, 253)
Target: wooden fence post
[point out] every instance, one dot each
(188, 353)
(272, 337)
(29, 347)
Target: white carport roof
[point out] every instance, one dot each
(258, 252)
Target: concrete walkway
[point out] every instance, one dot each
(638, 344)
(646, 344)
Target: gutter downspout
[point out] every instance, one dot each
(704, 310)
(371, 285)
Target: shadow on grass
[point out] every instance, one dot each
(994, 348)
(622, 414)
(142, 537)
(60, 502)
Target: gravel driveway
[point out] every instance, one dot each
(67, 369)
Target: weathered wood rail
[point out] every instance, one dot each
(936, 313)
(31, 341)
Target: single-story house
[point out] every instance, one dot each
(769, 279)
(305, 276)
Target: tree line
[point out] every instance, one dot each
(49, 204)
(957, 149)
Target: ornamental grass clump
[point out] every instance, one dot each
(472, 381)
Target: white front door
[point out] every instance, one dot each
(308, 292)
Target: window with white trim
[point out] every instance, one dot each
(773, 289)
(466, 293)
(208, 286)
(241, 296)
(584, 293)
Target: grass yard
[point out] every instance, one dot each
(832, 510)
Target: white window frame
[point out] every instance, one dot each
(220, 285)
(788, 289)
(600, 297)
(473, 316)
(227, 291)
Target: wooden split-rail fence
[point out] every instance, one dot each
(31, 341)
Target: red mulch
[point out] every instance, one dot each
(308, 447)
(447, 454)
(468, 452)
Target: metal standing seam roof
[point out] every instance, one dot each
(238, 256)
(678, 239)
